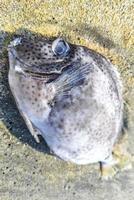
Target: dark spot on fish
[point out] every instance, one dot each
(36, 49)
(38, 105)
(60, 126)
(53, 58)
(82, 54)
(42, 45)
(31, 47)
(39, 55)
(62, 120)
(77, 54)
(37, 45)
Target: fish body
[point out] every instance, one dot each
(69, 94)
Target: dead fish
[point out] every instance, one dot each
(69, 94)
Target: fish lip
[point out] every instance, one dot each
(45, 77)
(40, 74)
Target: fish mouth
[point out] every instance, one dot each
(37, 75)
(40, 75)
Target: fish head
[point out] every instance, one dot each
(41, 57)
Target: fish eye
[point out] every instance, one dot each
(60, 47)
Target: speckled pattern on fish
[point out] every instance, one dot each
(69, 94)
